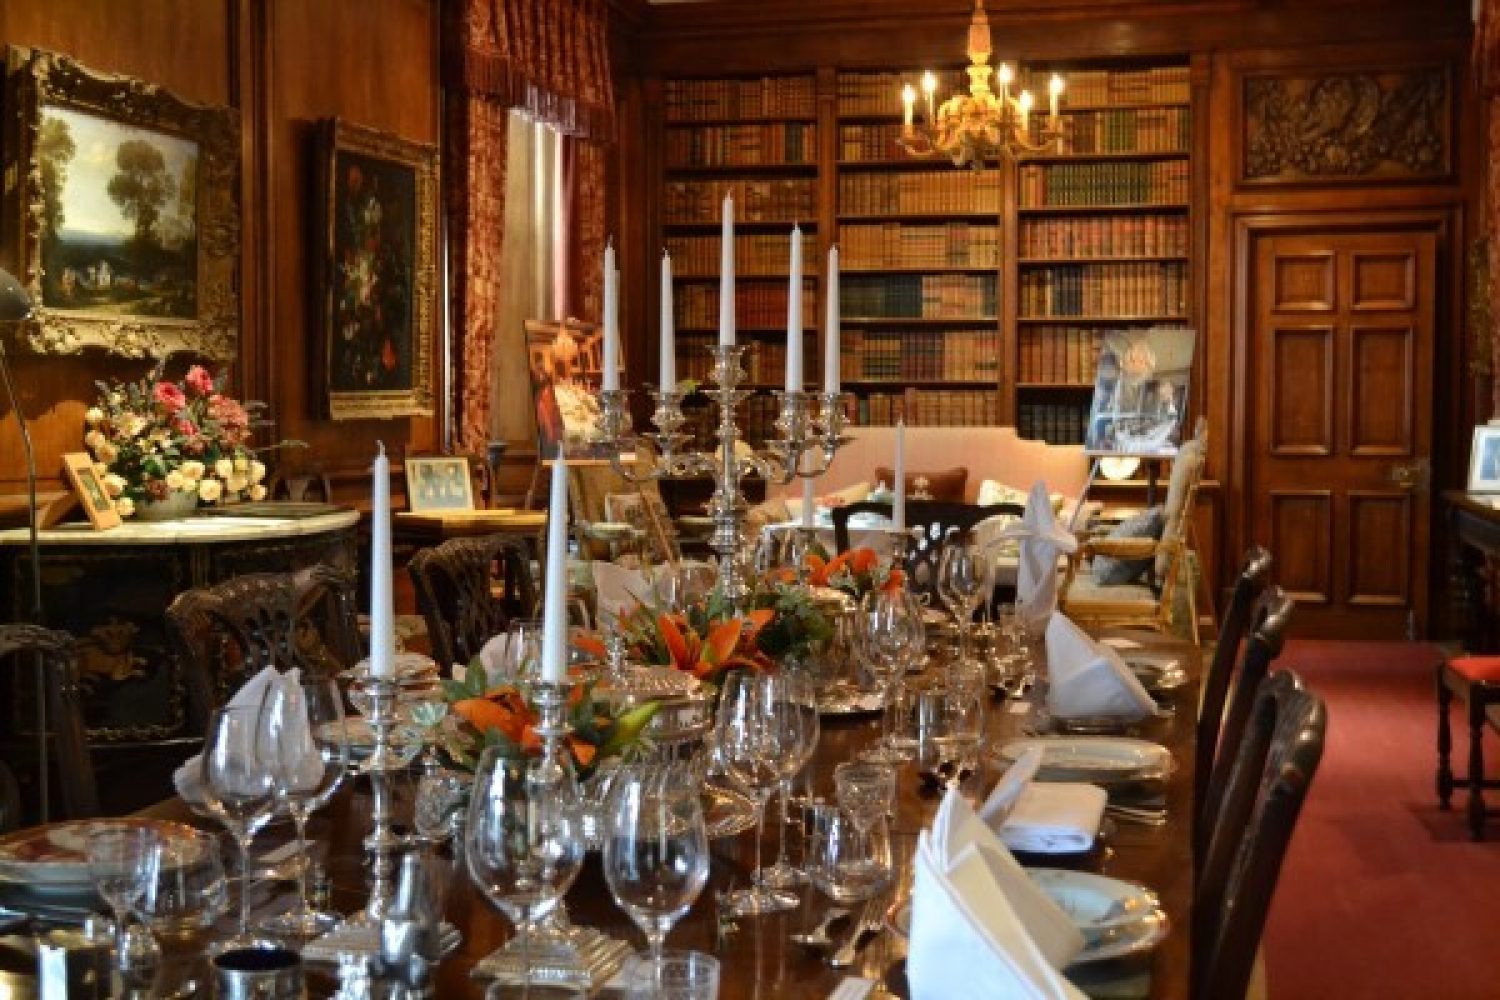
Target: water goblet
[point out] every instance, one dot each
(963, 576)
(239, 788)
(890, 633)
(184, 893)
(751, 744)
(847, 861)
(119, 857)
(796, 714)
(655, 849)
(950, 723)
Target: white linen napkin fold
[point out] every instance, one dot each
(617, 590)
(494, 657)
(979, 926)
(1087, 679)
(187, 779)
(1043, 817)
(1040, 541)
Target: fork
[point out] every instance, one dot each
(871, 921)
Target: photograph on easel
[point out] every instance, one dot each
(1140, 392)
(91, 491)
(565, 361)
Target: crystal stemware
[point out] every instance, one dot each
(523, 650)
(796, 714)
(184, 893)
(890, 634)
(950, 723)
(305, 744)
(751, 745)
(655, 848)
(118, 856)
(848, 861)
(962, 578)
(240, 789)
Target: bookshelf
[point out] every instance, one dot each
(966, 297)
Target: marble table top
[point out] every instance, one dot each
(207, 529)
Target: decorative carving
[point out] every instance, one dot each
(38, 82)
(1347, 127)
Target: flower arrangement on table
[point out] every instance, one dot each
(856, 572)
(155, 438)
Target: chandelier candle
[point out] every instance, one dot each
(726, 275)
(668, 333)
(382, 606)
(555, 592)
(794, 316)
(611, 363)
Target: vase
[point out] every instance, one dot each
(177, 505)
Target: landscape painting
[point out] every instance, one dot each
(119, 224)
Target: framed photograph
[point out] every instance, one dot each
(565, 362)
(378, 277)
(126, 200)
(90, 490)
(1484, 460)
(438, 483)
(1140, 393)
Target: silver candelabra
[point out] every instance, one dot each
(809, 431)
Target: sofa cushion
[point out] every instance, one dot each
(947, 485)
(1109, 571)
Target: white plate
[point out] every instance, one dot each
(1099, 905)
(55, 855)
(1092, 757)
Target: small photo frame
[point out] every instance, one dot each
(90, 490)
(439, 483)
(1484, 460)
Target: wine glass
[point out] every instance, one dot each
(304, 743)
(848, 861)
(796, 714)
(524, 839)
(950, 722)
(751, 745)
(890, 627)
(655, 848)
(962, 576)
(240, 789)
(118, 856)
(523, 650)
(184, 893)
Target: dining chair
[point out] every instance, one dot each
(1254, 575)
(1474, 680)
(933, 526)
(1268, 623)
(1274, 766)
(303, 485)
(468, 589)
(20, 646)
(223, 634)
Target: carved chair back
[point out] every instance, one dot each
(20, 645)
(933, 524)
(10, 799)
(1269, 619)
(1255, 574)
(310, 485)
(468, 590)
(1273, 767)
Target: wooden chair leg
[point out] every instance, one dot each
(1444, 743)
(1476, 765)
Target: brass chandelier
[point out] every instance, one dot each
(974, 128)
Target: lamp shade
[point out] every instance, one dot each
(15, 304)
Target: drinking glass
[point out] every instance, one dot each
(240, 789)
(847, 861)
(183, 895)
(523, 650)
(524, 839)
(796, 715)
(950, 723)
(891, 634)
(304, 743)
(679, 975)
(962, 579)
(751, 744)
(118, 856)
(655, 849)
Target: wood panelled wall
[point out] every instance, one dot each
(284, 64)
(1225, 40)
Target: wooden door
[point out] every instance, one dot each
(1340, 433)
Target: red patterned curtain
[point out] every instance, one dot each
(1487, 73)
(551, 59)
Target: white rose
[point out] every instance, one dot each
(93, 439)
(133, 425)
(192, 470)
(257, 471)
(210, 490)
(257, 492)
(106, 453)
(241, 463)
(223, 468)
(124, 506)
(114, 484)
(102, 469)
(176, 480)
(93, 416)
(236, 483)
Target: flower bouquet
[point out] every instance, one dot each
(157, 440)
(856, 572)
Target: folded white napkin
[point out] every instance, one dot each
(979, 926)
(1045, 817)
(1041, 540)
(494, 656)
(1087, 679)
(617, 590)
(187, 779)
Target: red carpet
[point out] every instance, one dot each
(1382, 895)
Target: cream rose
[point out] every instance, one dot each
(257, 492)
(94, 439)
(114, 484)
(93, 416)
(236, 483)
(124, 506)
(223, 468)
(176, 480)
(257, 471)
(193, 470)
(210, 490)
(241, 463)
(106, 453)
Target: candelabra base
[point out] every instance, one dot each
(558, 954)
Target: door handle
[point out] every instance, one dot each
(1412, 475)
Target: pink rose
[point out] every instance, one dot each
(169, 396)
(199, 380)
(185, 426)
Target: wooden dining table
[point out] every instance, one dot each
(757, 957)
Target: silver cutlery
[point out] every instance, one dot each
(1137, 814)
(871, 921)
(818, 936)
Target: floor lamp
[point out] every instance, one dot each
(15, 307)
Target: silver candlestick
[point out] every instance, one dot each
(383, 843)
(809, 431)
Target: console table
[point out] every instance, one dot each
(1475, 522)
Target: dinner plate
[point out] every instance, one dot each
(55, 855)
(1099, 905)
(1157, 676)
(842, 702)
(1091, 758)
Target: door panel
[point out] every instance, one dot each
(1339, 386)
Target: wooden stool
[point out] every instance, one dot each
(1475, 680)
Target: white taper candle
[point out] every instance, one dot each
(382, 602)
(555, 586)
(794, 316)
(611, 360)
(726, 275)
(831, 324)
(668, 377)
(898, 506)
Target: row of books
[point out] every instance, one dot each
(928, 296)
(918, 355)
(1104, 236)
(925, 192)
(786, 200)
(863, 143)
(1155, 85)
(1132, 130)
(742, 145)
(891, 244)
(767, 97)
(926, 408)
(1058, 354)
(1154, 289)
(756, 307)
(1056, 423)
(1157, 183)
(756, 254)
(880, 93)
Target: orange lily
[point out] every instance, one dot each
(706, 656)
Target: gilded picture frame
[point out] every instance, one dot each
(438, 484)
(90, 491)
(122, 201)
(378, 273)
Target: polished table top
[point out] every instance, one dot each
(215, 529)
(759, 961)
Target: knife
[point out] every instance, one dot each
(871, 920)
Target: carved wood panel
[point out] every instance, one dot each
(1382, 396)
(1301, 535)
(1303, 282)
(1382, 281)
(1301, 390)
(1349, 127)
(1378, 573)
